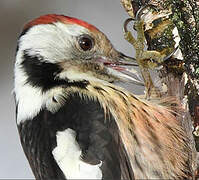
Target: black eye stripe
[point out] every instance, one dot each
(86, 42)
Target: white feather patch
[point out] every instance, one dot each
(31, 100)
(67, 155)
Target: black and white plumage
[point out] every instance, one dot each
(64, 136)
(74, 123)
(52, 139)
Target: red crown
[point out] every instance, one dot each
(52, 18)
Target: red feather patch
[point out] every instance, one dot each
(52, 18)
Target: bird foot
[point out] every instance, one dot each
(145, 59)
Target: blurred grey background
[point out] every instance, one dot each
(107, 15)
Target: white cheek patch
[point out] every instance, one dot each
(67, 155)
(52, 42)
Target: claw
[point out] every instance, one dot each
(146, 59)
(141, 55)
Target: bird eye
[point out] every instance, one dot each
(86, 42)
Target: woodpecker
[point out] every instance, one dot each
(73, 120)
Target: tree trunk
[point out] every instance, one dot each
(170, 25)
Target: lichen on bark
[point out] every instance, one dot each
(186, 19)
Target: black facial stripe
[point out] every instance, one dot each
(42, 74)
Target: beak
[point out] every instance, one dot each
(122, 68)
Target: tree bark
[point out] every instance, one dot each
(168, 22)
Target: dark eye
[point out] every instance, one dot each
(86, 42)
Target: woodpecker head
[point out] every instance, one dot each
(55, 50)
